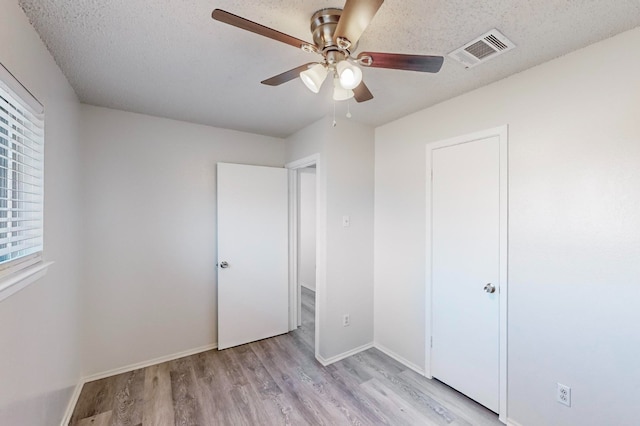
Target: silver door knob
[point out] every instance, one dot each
(489, 288)
(224, 265)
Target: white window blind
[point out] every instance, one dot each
(21, 173)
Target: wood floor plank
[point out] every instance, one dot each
(324, 385)
(214, 390)
(187, 411)
(428, 406)
(306, 331)
(311, 372)
(212, 400)
(227, 394)
(382, 362)
(306, 335)
(293, 383)
(257, 375)
(128, 399)
(158, 399)
(215, 385)
(248, 395)
(350, 388)
(290, 403)
(460, 405)
(387, 371)
(102, 419)
(95, 398)
(397, 410)
(232, 368)
(353, 370)
(199, 362)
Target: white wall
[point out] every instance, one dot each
(574, 230)
(150, 237)
(39, 337)
(307, 230)
(345, 187)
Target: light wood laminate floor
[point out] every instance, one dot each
(276, 381)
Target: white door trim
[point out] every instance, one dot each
(502, 132)
(321, 233)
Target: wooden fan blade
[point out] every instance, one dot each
(399, 61)
(287, 76)
(355, 18)
(245, 24)
(362, 93)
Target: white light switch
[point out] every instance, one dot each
(346, 221)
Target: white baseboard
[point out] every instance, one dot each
(513, 423)
(72, 403)
(150, 362)
(327, 361)
(400, 359)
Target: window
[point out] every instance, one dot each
(21, 176)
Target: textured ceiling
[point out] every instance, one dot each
(170, 59)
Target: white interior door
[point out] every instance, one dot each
(253, 300)
(466, 267)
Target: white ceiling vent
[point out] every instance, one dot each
(480, 50)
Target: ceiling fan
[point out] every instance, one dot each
(335, 37)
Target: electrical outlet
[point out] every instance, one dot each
(563, 394)
(346, 321)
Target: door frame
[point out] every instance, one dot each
(294, 204)
(502, 132)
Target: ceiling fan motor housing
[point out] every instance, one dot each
(323, 27)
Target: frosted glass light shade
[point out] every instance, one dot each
(349, 74)
(314, 77)
(339, 92)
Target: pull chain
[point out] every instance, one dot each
(334, 114)
(348, 108)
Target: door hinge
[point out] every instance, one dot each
(431, 341)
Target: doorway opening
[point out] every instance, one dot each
(306, 241)
(307, 254)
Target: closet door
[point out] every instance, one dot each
(465, 191)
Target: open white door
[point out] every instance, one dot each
(253, 299)
(466, 268)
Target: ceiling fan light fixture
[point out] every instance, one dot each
(340, 93)
(314, 77)
(350, 75)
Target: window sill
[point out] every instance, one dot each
(15, 282)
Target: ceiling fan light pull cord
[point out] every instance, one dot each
(348, 108)
(334, 114)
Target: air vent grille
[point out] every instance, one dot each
(483, 48)
(496, 42)
(480, 49)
